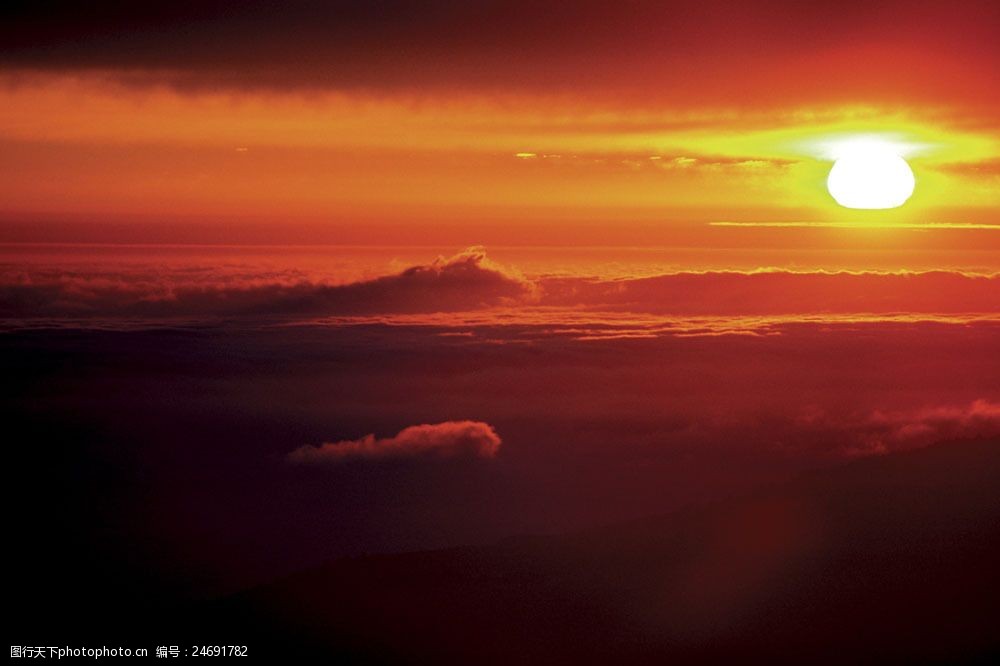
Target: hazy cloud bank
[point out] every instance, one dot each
(470, 282)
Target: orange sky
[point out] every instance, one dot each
(633, 124)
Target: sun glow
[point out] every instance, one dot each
(870, 175)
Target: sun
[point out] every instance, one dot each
(870, 175)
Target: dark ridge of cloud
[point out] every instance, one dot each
(451, 439)
(448, 43)
(466, 281)
(772, 292)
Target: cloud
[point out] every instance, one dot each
(469, 282)
(775, 292)
(612, 162)
(885, 431)
(985, 168)
(724, 51)
(890, 431)
(465, 281)
(451, 439)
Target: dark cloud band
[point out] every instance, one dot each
(700, 45)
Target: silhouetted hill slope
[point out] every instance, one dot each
(885, 559)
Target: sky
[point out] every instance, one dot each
(498, 123)
(307, 280)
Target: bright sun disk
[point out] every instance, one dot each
(870, 175)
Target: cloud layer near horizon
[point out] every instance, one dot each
(465, 281)
(451, 439)
(470, 282)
